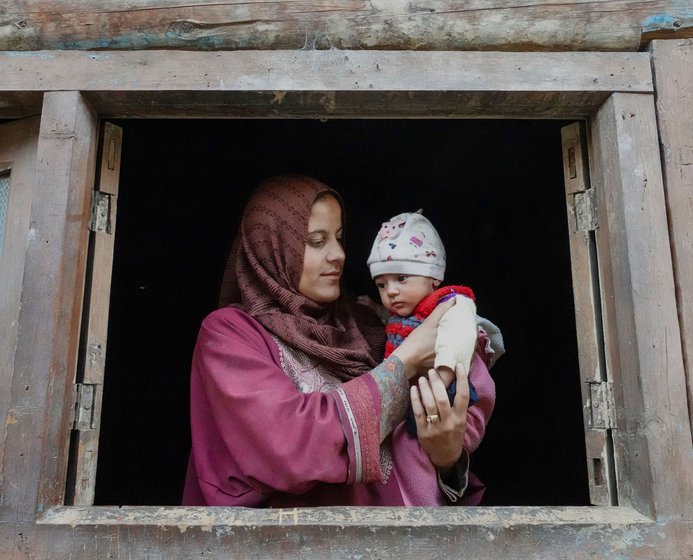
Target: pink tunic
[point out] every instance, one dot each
(265, 437)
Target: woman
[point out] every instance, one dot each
(289, 400)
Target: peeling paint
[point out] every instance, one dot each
(668, 22)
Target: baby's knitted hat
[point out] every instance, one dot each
(408, 244)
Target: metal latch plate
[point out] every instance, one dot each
(601, 405)
(85, 396)
(585, 210)
(100, 218)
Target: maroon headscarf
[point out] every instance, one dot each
(264, 269)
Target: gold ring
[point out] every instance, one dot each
(432, 418)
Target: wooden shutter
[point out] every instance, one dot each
(88, 388)
(598, 406)
(18, 145)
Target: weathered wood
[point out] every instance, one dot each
(643, 350)
(588, 319)
(330, 83)
(44, 364)
(330, 105)
(483, 533)
(69, 138)
(325, 71)
(651, 478)
(98, 290)
(524, 533)
(673, 69)
(613, 25)
(18, 142)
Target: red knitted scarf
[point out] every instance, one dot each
(399, 328)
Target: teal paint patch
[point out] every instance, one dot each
(667, 22)
(126, 43)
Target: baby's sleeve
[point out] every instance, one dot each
(457, 334)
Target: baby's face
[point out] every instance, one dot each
(400, 293)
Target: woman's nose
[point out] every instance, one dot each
(336, 253)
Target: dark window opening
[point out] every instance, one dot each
(493, 189)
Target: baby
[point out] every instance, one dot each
(407, 262)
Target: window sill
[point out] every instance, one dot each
(207, 517)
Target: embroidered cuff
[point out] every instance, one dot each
(356, 400)
(460, 478)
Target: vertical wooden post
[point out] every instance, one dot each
(18, 141)
(643, 345)
(46, 352)
(672, 62)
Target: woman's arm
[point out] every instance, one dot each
(414, 355)
(253, 431)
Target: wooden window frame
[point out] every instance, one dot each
(612, 92)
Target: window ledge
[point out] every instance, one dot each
(207, 517)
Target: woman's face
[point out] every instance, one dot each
(323, 260)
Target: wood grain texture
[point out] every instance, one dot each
(324, 71)
(326, 84)
(588, 319)
(526, 533)
(673, 70)
(18, 141)
(95, 326)
(512, 25)
(515, 533)
(70, 133)
(643, 350)
(45, 356)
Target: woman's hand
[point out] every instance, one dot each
(440, 426)
(417, 352)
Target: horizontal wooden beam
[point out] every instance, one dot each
(339, 516)
(530, 533)
(325, 83)
(324, 71)
(510, 25)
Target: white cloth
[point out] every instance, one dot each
(457, 335)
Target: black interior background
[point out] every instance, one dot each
(493, 189)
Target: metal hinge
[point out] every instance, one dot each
(601, 405)
(585, 210)
(84, 399)
(100, 217)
